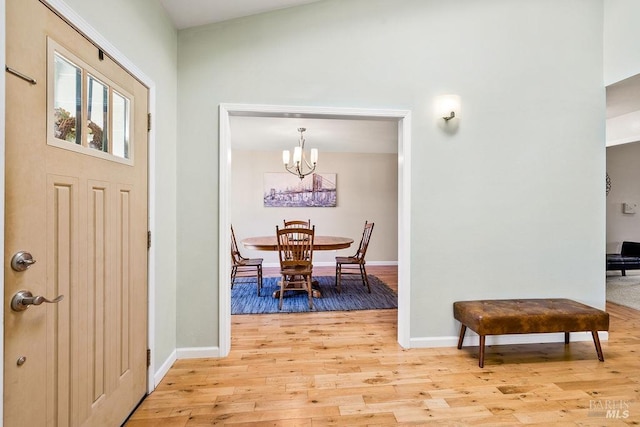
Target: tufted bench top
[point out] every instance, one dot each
(522, 316)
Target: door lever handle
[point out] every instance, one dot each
(23, 299)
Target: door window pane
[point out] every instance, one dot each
(67, 100)
(97, 113)
(120, 106)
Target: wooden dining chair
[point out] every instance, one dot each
(295, 251)
(244, 267)
(355, 264)
(297, 223)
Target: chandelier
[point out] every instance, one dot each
(300, 166)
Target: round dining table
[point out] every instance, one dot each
(320, 243)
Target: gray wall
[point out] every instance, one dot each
(621, 32)
(367, 188)
(512, 205)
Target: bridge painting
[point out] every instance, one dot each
(287, 190)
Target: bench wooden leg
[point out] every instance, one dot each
(596, 341)
(566, 337)
(463, 329)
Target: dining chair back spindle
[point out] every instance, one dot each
(242, 266)
(297, 223)
(355, 264)
(295, 251)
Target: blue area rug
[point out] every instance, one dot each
(354, 296)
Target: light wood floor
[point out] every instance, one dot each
(346, 368)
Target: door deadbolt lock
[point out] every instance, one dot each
(22, 260)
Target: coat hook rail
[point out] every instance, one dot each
(19, 74)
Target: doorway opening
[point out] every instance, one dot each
(403, 118)
(623, 192)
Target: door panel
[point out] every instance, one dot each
(83, 217)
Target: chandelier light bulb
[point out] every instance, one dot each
(297, 155)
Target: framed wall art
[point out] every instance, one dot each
(282, 189)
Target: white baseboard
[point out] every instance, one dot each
(472, 339)
(432, 342)
(197, 352)
(184, 353)
(164, 368)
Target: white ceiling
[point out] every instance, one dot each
(327, 135)
(191, 13)
(623, 97)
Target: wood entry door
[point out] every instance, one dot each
(76, 201)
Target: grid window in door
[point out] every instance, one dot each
(88, 113)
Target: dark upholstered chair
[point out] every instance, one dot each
(355, 264)
(244, 267)
(627, 259)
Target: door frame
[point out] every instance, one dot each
(74, 19)
(404, 201)
(3, 19)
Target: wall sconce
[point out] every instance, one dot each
(448, 106)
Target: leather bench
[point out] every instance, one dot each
(528, 316)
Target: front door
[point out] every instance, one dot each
(76, 215)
